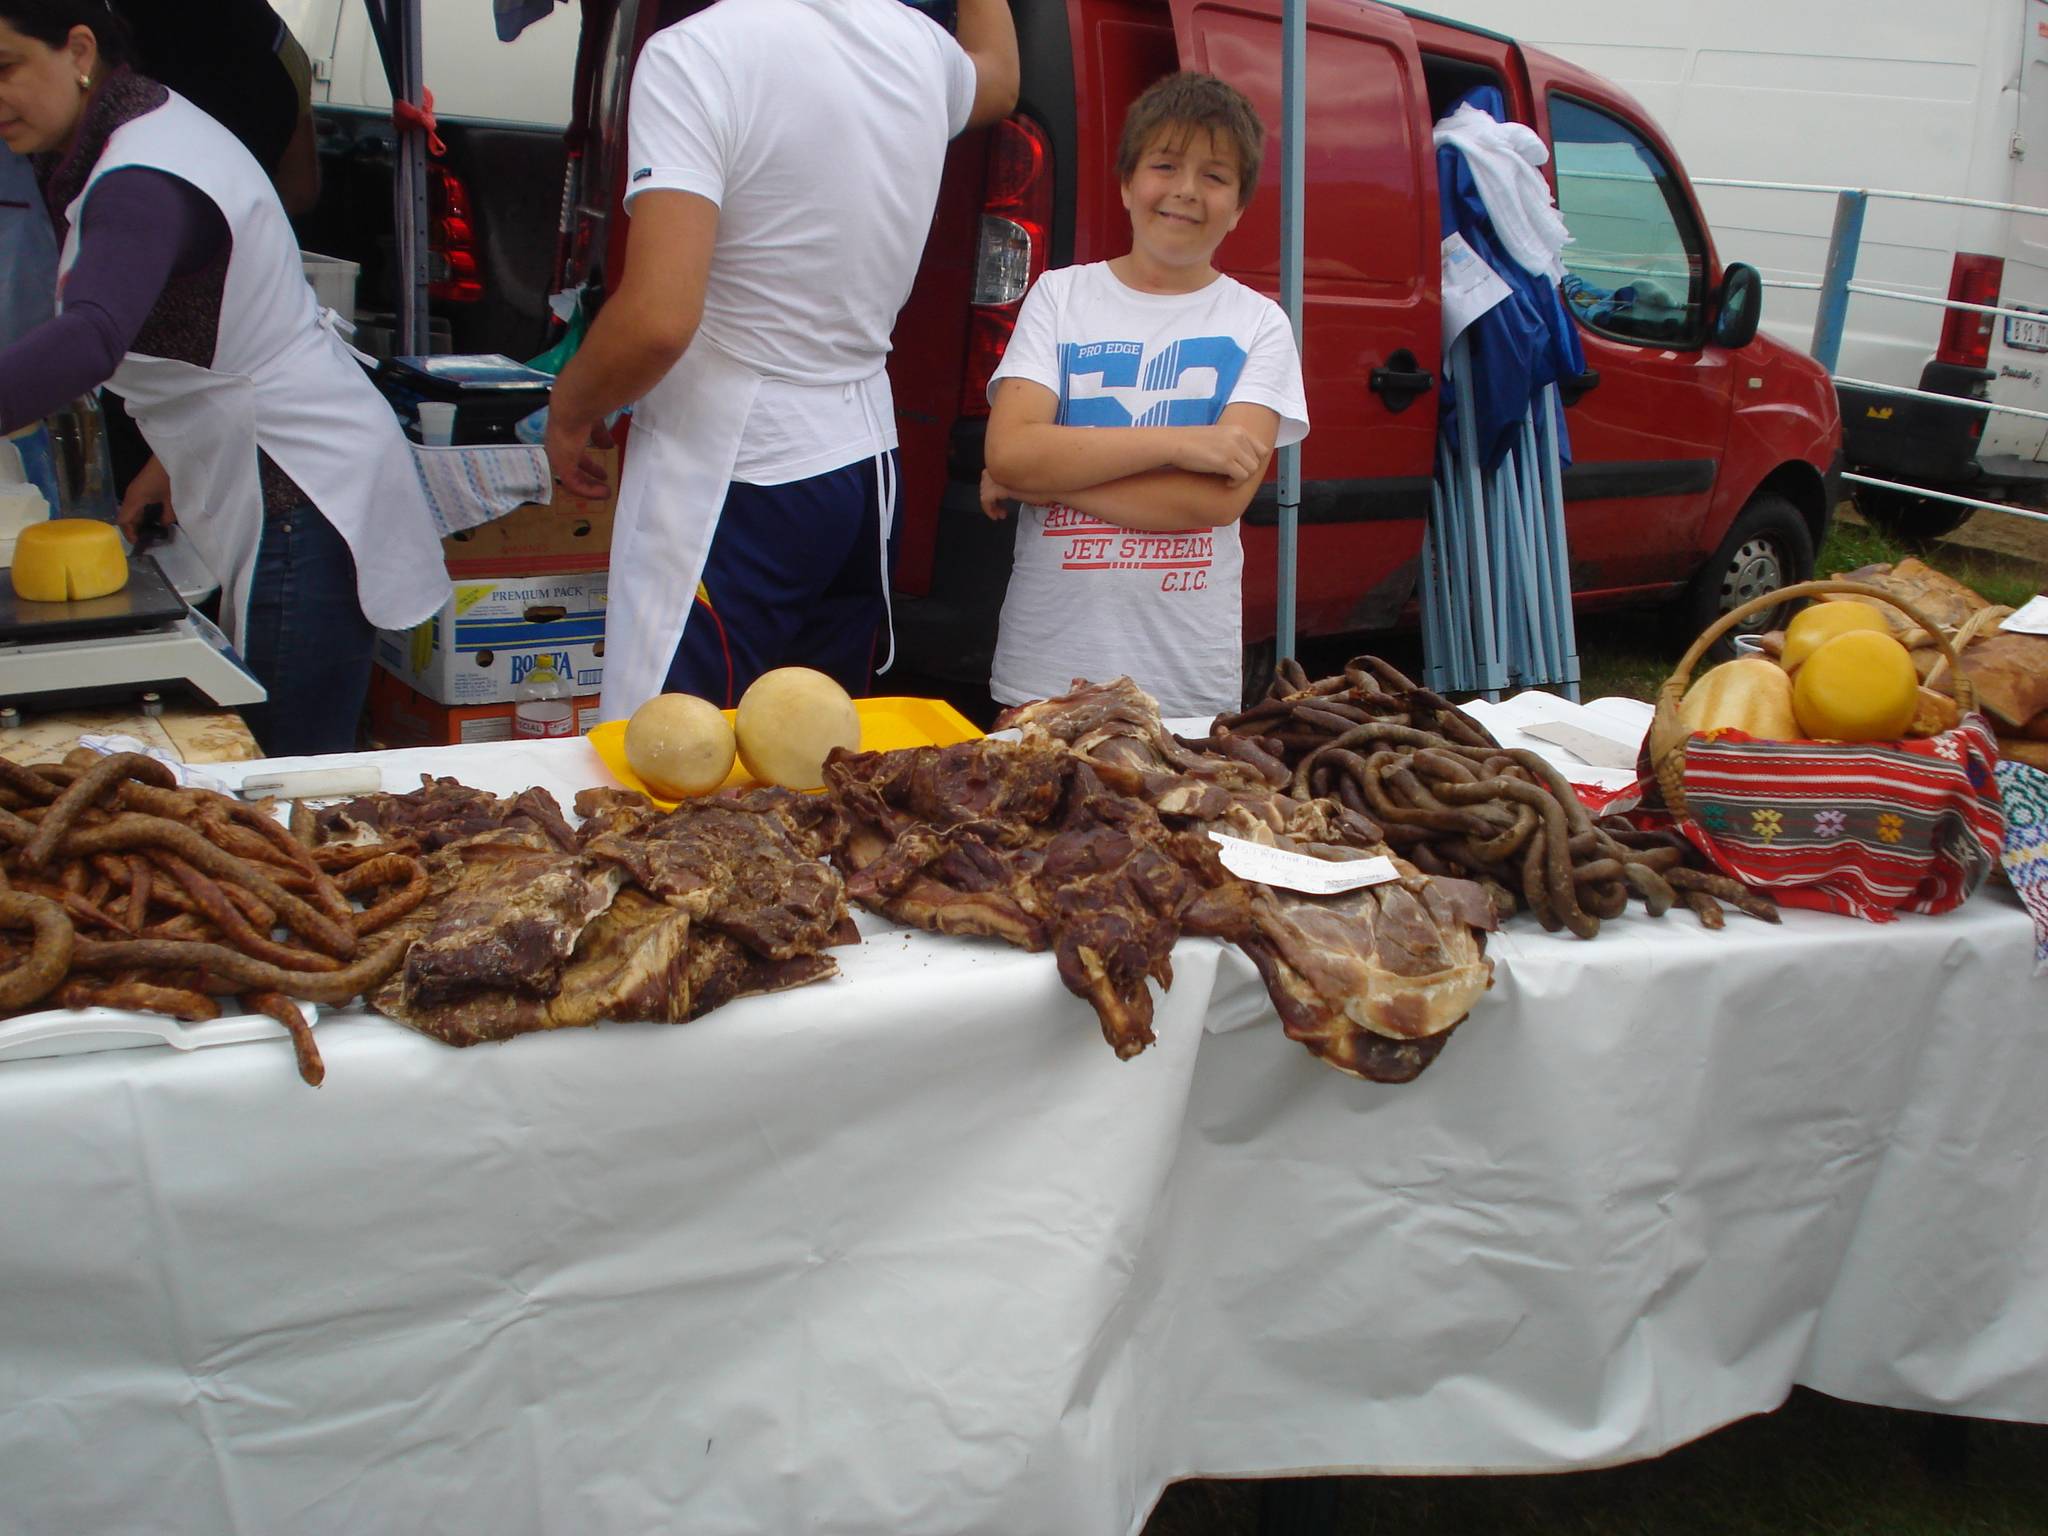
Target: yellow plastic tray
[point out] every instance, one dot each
(885, 725)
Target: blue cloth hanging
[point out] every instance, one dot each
(1520, 345)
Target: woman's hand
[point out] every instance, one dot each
(1224, 449)
(151, 487)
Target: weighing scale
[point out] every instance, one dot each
(142, 638)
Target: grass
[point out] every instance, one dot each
(1815, 1467)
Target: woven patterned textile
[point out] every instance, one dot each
(1865, 828)
(2025, 792)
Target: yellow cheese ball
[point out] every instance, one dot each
(679, 745)
(67, 560)
(787, 723)
(1817, 623)
(1859, 686)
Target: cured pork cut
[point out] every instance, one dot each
(532, 924)
(507, 909)
(1372, 981)
(1026, 844)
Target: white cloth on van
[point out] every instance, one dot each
(1090, 599)
(819, 127)
(281, 381)
(1503, 158)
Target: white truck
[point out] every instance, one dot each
(1948, 99)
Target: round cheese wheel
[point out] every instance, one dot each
(67, 560)
(679, 745)
(788, 721)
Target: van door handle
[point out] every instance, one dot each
(1570, 390)
(1401, 382)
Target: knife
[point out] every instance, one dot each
(314, 783)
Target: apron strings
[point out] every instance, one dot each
(885, 497)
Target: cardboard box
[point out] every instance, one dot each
(567, 534)
(404, 717)
(495, 639)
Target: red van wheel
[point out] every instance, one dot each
(1768, 547)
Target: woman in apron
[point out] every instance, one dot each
(180, 286)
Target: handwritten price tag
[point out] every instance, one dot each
(1301, 871)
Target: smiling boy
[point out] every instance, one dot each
(1127, 555)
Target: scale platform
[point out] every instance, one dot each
(144, 637)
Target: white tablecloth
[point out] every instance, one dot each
(911, 1251)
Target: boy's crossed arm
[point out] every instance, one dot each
(1148, 478)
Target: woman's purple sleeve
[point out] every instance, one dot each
(138, 227)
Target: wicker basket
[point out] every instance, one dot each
(1869, 828)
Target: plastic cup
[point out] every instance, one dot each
(437, 423)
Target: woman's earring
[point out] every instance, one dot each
(85, 82)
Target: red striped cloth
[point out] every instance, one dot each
(1865, 828)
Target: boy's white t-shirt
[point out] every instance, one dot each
(1089, 599)
(819, 127)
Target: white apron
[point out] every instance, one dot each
(281, 381)
(679, 462)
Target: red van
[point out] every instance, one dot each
(1704, 454)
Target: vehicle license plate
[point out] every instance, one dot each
(2028, 334)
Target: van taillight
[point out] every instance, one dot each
(1011, 249)
(452, 269)
(1965, 335)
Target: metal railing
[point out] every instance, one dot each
(1838, 284)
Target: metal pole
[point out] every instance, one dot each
(1491, 669)
(1550, 426)
(411, 191)
(1293, 113)
(1834, 282)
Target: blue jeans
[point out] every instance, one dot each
(307, 641)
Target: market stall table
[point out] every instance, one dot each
(911, 1251)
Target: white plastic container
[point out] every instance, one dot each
(334, 282)
(20, 505)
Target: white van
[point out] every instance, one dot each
(495, 198)
(470, 72)
(1947, 98)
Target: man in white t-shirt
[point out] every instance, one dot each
(1127, 558)
(783, 164)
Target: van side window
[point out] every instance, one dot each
(1634, 269)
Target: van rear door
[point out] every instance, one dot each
(1371, 297)
(1642, 275)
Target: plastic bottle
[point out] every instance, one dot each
(544, 710)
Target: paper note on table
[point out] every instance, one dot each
(1524, 719)
(1300, 871)
(1470, 286)
(2030, 618)
(1597, 747)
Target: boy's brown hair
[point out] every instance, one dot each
(1187, 101)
